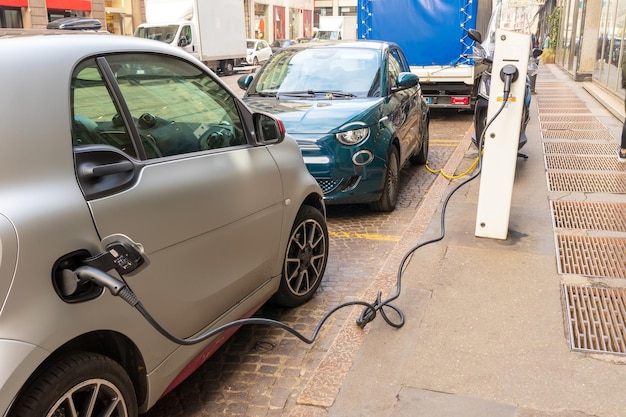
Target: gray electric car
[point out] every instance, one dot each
(141, 205)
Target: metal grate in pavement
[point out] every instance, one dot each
(568, 118)
(578, 135)
(595, 125)
(572, 110)
(601, 257)
(596, 318)
(584, 162)
(580, 148)
(586, 182)
(560, 104)
(562, 98)
(588, 215)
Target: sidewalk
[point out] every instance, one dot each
(534, 325)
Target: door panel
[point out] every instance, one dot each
(210, 226)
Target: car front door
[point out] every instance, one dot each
(404, 106)
(164, 157)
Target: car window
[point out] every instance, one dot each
(394, 68)
(174, 107)
(399, 56)
(186, 32)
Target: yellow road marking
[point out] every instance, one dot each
(368, 236)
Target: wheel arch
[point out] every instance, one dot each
(316, 201)
(114, 345)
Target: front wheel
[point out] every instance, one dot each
(305, 260)
(389, 197)
(85, 384)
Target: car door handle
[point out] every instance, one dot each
(91, 170)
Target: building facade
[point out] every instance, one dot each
(590, 40)
(269, 19)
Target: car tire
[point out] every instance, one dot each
(255, 61)
(388, 199)
(228, 67)
(305, 258)
(421, 157)
(70, 382)
(480, 122)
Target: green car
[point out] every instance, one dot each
(354, 108)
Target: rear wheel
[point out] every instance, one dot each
(389, 197)
(305, 260)
(84, 384)
(255, 61)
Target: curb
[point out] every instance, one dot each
(322, 389)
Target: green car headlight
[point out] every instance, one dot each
(354, 136)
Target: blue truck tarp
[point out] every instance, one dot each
(431, 32)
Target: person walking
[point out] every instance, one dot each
(621, 153)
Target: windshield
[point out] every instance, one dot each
(165, 33)
(318, 70)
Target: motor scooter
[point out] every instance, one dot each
(482, 101)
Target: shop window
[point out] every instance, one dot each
(11, 17)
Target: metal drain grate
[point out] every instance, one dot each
(578, 135)
(585, 163)
(588, 215)
(560, 104)
(562, 98)
(587, 182)
(559, 109)
(597, 125)
(596, 319)
(601, 257)
(579, 148)
(569, 118)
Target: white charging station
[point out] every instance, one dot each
(502, 136)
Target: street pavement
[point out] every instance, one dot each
(499, 328)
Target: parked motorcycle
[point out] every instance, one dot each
(482, 101)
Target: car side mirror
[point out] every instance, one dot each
(475, 35)
(269, 129)
(182, 42)
(406, 80)
(244, 81)
(536, 53)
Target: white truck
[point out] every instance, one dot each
(435, 39)
(332, 28)
(212, 31)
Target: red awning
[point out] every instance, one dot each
(14, 3)
(84, 5)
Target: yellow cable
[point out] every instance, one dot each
(453, 177)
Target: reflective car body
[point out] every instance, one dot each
(355, 110)
(120, 139)
(258, 51)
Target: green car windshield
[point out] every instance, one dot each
(353, 72)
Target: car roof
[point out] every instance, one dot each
(47, 45)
